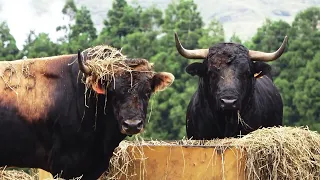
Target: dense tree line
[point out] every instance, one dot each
(148, 33)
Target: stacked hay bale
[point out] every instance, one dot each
(268, 153)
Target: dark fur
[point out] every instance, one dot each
(228, 72)
(72, 140)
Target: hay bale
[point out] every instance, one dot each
(15, 175)
(270, 153)
(282, 153)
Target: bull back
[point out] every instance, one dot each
(29, 85)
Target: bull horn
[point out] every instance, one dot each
(262, 56)
(190, 54)
(85, 69)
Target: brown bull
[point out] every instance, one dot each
(63, 115)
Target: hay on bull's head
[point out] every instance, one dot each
(270, 153)
(106, 62)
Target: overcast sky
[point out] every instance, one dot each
(45, 15)
(25, 15)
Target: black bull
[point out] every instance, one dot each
(46, 122)
(236, 94)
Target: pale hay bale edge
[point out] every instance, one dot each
(12, 174)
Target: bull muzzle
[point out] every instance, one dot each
(131, 127)
(229, 104)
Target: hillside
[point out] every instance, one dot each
(240, 17)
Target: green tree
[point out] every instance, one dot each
(122, 20)
(82, 34)
(38, 45)
(69, 11)
(169, 107)
(270, 35)
(235, 39)
(144, 42)
(307, 95)
(83, 25)
(8, 48)
(296, 71)
(301, 57)
(213, 34)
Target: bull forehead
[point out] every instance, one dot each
(133, 79)
(141, 70)
(143, 67)
(222, 54)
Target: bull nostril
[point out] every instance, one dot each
(228, 103)
(125, 125)
(132, 124)
(139, 125)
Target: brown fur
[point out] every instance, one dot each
(27, 85)
(141, 65)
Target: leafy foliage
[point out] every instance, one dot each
(38, 46)
(296, 72)
(80, 32)
(8, 48)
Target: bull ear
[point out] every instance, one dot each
(97, 87)
(261, 68)
(196, 69)
(162, 80)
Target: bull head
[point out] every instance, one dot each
(227, 73)
(129, 94)
(253, 55)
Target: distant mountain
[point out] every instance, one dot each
(242, 17)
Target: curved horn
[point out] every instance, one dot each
(191, 54)
(85, 69)
(262, 56)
